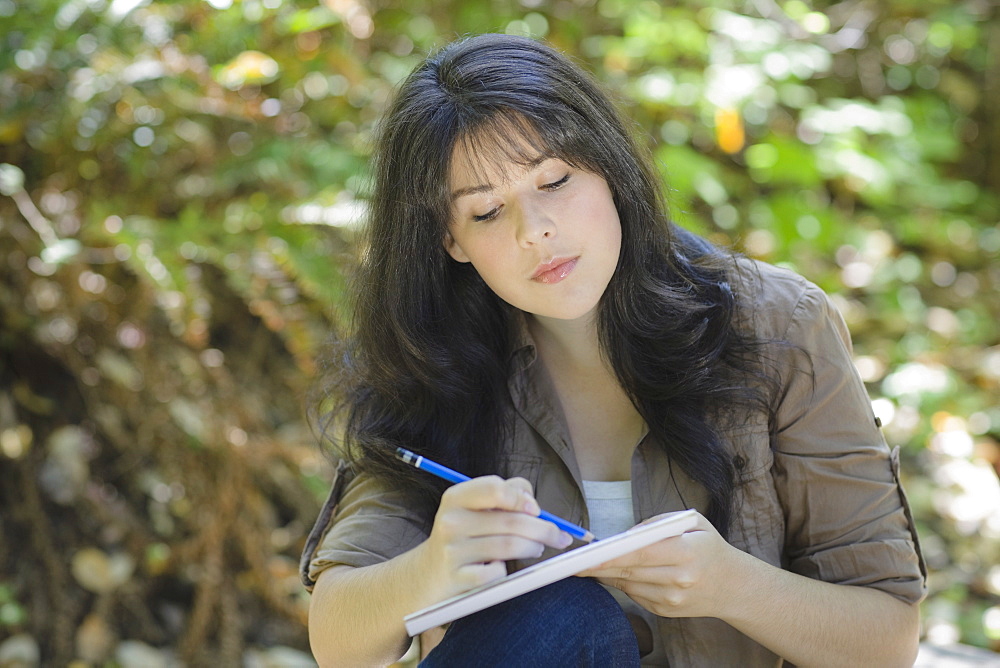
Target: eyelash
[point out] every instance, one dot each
(493, 213)
(555, 185)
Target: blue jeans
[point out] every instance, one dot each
(573, 622)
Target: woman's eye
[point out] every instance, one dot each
(489, 215)
(555, 185)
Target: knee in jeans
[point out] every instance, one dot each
(573, 622)
(584, 604)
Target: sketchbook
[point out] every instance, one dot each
(546, 572)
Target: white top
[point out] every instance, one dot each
(609, 505)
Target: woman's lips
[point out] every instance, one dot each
(555, 270)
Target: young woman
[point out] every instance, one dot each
(526, 313)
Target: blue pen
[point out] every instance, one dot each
(446, 473)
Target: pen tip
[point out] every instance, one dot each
(588, 538)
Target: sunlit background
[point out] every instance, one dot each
(181, 184)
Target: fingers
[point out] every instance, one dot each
(701, 522)
(479, 573)
(522, 484)
(658, 554)
(681, 576)
(460, 523)
(492, 493)
(675, 551)
(666, 592)
(485, 522)
(496, 548)
(501, 507)
(662, 599)
(657, 576)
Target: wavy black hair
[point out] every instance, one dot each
(425, 363)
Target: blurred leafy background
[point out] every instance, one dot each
(181, 183)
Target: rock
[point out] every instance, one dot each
(135, 653)
(65, 472)
(278, 657)
(94, 639)
(99, 572)
(20, 651)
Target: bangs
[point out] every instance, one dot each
(508, 140)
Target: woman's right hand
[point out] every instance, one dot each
(356, 613)
(481, 524)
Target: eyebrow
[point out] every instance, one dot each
(485, 187)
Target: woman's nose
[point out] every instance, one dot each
(535, 224)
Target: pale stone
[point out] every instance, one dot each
(133, 653)
(94, 639)
(65, 472)
(20, 651)
(278, 657)
(99, 572)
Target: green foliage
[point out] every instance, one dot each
(12, 614)
(191, 141)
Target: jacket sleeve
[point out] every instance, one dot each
(847, 520)
(362, 523)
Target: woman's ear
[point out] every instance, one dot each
(454, 250)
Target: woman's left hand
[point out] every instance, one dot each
(689, 575)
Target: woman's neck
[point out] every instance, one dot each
(604, 426)
(571, 344)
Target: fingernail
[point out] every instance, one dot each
(564, 539)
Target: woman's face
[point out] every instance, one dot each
(544, 237)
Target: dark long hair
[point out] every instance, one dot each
(425, 365)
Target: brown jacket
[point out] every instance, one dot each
(820, 497)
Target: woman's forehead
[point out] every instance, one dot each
(475, 169)
(504, 145)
